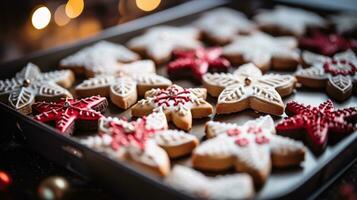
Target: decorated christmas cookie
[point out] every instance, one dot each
(345, 23)
(159, 42)
(286, 20)
(222, 24)
(252, 148)
(265, 51)
(30, 84)
(236, 186)
(146, 141)
(195, 63)
(69, 114)
(180, 105)
(102, 57)
(123, 90)
(327, 44)
(338, 74)
(317, 122)
(248, 88)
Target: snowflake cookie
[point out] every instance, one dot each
(251, 148)
(147, 141)
(286, 20)
(30, 84)
(222, 24)
(180, 105)
(317, 122)
(69, 114)
(248, 88)
(102, 57)
(158, 43)
(123, 90)
(195, 63)
(338, 74)
(236, 186)
(265, 51)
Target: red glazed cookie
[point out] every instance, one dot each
(146, 142)
(317, 122)
(195, 63)
(327, 44)
(68, 114)
(252, 148)
(338, 74)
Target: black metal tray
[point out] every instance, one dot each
(127, 181)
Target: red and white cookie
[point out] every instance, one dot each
(279, 53)
(286, 20)
(252, 148)
(69, 114)
(222, 24)
(338, 74)
(158, 43)
(122, 90)
(180, 105)
(102, 57)
(146, 142)
(248, 88)
(30, 84)
(236, 186)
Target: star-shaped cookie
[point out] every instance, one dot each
(345, 23)
(317, 123)
(158, 43)
(233, 186)
(69, 114)
(286, 20)
(251, 148)
(147, 141)
(193, 64)
(248, 88)
(30, 84)
(338, 74)
(180, 105)
(102, 57)
(265, 51)
(222, 24)
(327, 44)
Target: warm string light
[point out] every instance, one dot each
(41, 17)
(74, 8)
(148, 5)
(60, 16)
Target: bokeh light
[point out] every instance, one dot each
(41, 17)
(148, 5)
(74, 8)
(60, 16)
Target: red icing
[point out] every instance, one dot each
(233, 132)
(199, 61)
(242, 141)
(172, 94)
(347, 67)
(66, 111)
(327, 44)
(317, 122)
(137, 137)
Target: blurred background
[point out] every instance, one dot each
(31, 25)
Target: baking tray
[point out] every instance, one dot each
(127, 181)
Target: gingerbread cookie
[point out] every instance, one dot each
(102, 57)
(124, 90)
(345, 23)
(180, 105)
(252, 148)
(194, 63)
(69, 114)
(279, 53)
(248, 88)
(338, 74)
(159, 42)
(30, 84)
(146, 141)
(222, 24)
(327, 44)
(284, 20)
(236, 186)
(317, 122)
